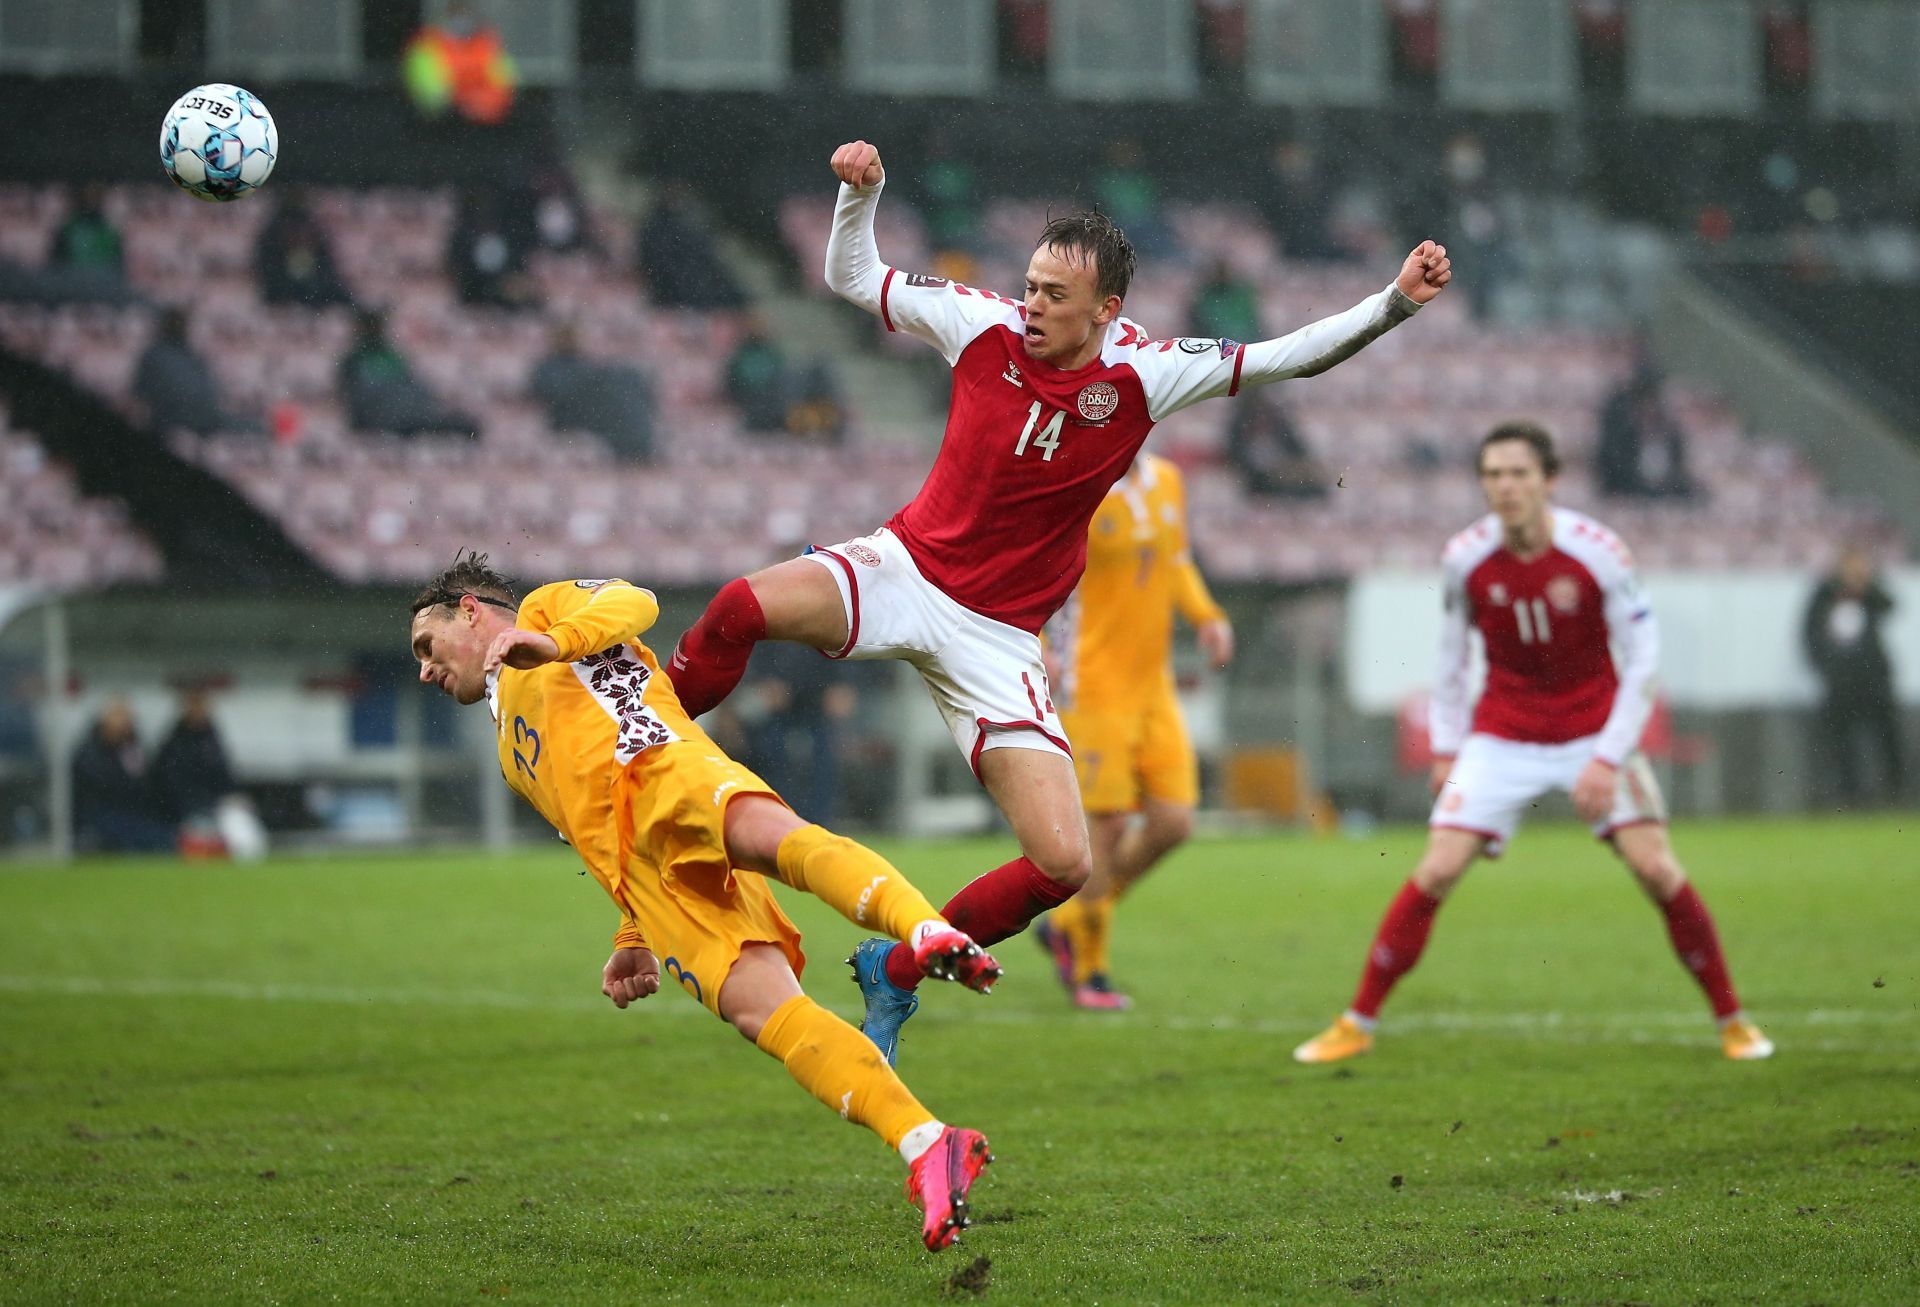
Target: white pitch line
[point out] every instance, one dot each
(1672, 1027)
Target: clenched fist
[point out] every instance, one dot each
(1425, 273)
(858, 164)
(631, 974)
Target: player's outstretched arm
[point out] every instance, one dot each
(1319, 345)
(1191, 376)
(917, 304)
(854, 270)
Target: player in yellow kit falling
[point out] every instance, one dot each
(680, 836)
(1109, 651)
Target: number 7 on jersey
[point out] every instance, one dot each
(1049, 437)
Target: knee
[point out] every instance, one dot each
(1169, 829)
(1436, 876)
(734, 613)
(1659, 874)
(1061, 855)
(749, 1024)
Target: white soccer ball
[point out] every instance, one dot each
(218, 142)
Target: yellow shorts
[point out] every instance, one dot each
(1139, 753)
(698, 912)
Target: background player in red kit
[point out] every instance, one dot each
(1549, 590)
(1052, 398)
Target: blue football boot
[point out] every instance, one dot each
(888, 1005)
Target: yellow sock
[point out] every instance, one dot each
(861, 885)
(840, 1066)
(1067, 918)
(1081, 920)
(1094, 922)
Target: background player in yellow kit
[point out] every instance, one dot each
(1110, 661)
(592, 736)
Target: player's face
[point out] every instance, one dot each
(450, 647)
(1064, 308)
(1516, 487)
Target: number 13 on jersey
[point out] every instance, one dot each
(1048, 438)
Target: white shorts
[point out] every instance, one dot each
(986, 677)
(1494, 781)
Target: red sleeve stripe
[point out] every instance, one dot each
(886, 286)
(1239, 356)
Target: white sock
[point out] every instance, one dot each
(931, 926)
(1365, 1023)
(919, 1139)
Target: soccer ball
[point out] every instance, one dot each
(218, 142)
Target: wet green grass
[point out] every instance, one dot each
(393, 1078)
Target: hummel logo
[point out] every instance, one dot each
(722, 789)
(846, 1105)
(1012, 374)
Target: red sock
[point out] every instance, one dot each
(1690, 927)
(1396, 947)
(712, 656)
(990, 909)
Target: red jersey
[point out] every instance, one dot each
(1030, 450)
(1548, 625)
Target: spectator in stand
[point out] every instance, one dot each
(381, 392)
(1297, 203)
(816, 412)
(1842, 635)
(177, 388)
(1226, 308)
(114, 810)
(682, 269)
(1127, 193)
(1641, 452)
(613, 400)
(1469, 209)
(950, 206)
(85, 264)
(293, 261)
(88, 241)
(558, 215)
(758, 383)
(1266, 449)
(461, 64)
(488, 257)
(190, 772)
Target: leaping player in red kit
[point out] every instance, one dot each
(1549, 590)
(1052, 399)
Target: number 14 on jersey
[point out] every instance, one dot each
(1048, 438)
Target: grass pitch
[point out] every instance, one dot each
(394, 1079)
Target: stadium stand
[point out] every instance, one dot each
(51, 535)
(374, 507)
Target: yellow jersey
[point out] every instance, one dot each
(1113, 638)
(569, 729)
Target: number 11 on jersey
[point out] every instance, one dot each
(1049, 437)
(1531, 615)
